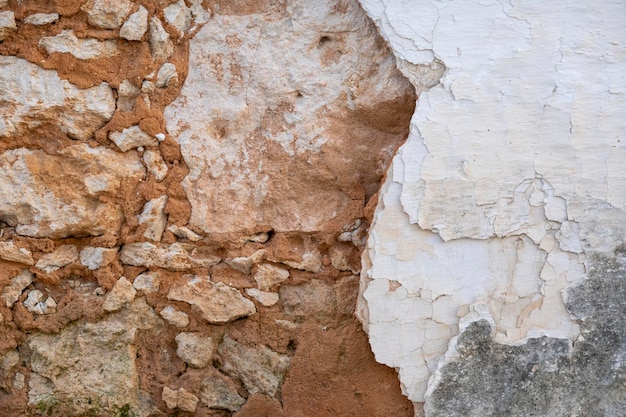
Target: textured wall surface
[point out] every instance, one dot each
(185, 193)
(193, 192)
(494, 271)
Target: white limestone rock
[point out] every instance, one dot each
(276, 89)
(311, 261)
(148, 282)
(107, 14)
(36, 304)
(7, 24)
(184, 232)
(19, 381)
(179, 16)
(196, 350)
(177, 256)
(155, 165)
(95, 257)
(62, 256)
(136, 25)
(127, 93)
(12, 292)
(121, 295)
(268, 275)
(266, 298)
(9, 361)
(175, 317)
(259, 367)
(161, 45)
(181, 399)
(244, 264)
(167, 76)
(67, 42)
(12, 253)
(35, 96)
(132, 137)
(40, 200)
(170, 397)
(340, 258)
(40, 19)
(199, 13)
(219, 392)
(154, 217)
(215, 302)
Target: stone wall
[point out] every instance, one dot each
(185, 192)
(197, 196)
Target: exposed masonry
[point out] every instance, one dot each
(185, 192)
(510, 179)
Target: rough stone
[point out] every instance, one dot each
(95, 257)
(132, 137)
(12, 253)
(155, 165)
(107, 14)
(90, 367)
(7, 24)
(36, 304)
(311, 262)
(265, 129)
(167, 76)
(127, 93)
(244, 264)
(31, 200)
(181, 399)
(268, 275)
(19, 381)
(195, 349)
(187, 401)
(340, 258)
(62, 256)
(313, 298)
(199, 13)
(136, 25)
(177, 256)
(40, 19)
(219, 392)
(67, 42)
(259, 367)
(148, 282)
(9, 361)
(12, 292)
(121, 295)
(266, 298)
(184, 233)
(215, 302)
(154, 217)
(175, 317)
(36, 96)
(179, 16)
(170, 397)
(161, 45)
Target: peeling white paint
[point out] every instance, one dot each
(512, 174)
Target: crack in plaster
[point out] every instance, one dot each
(432, 225)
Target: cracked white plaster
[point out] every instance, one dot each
(512, 174)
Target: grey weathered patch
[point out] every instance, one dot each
(544, 377)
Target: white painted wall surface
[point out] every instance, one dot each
(513, 174)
